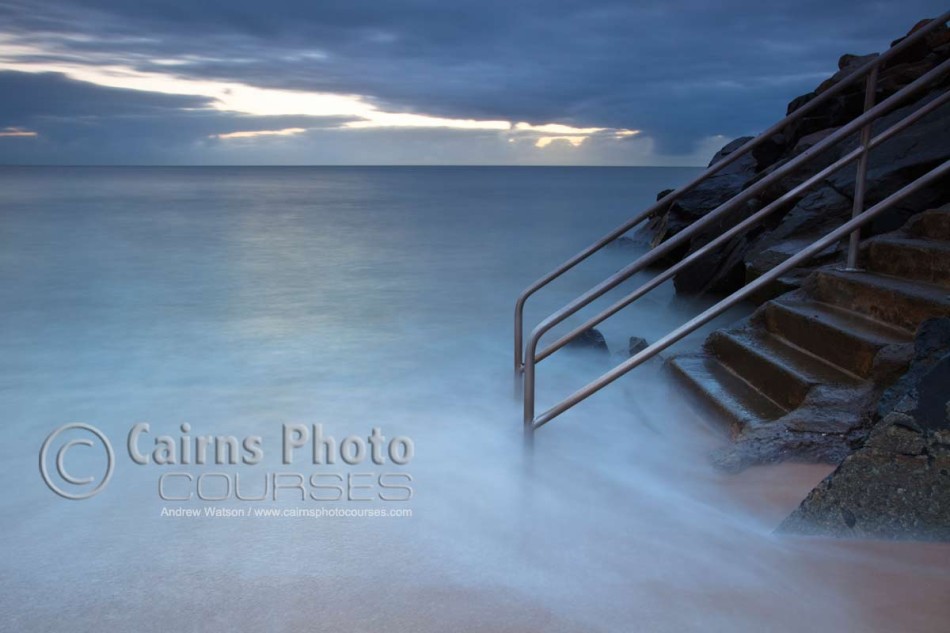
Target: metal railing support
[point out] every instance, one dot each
(864, 120)
(860, 181)
(941, 171)
(745, 225)
(840, 86)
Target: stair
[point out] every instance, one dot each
(809, 361)
(910, 258)
(741, 403)
(902, 303)
(847, 340)
(933, 224)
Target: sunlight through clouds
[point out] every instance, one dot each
(16, 132)
(239, 98)
(290, 131)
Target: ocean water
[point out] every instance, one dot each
(238, 301)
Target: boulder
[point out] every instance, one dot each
(931, 343)
(897, 485)
(704, 197)
(589, 341)
(636, 345)
(810, 140)
(820, 211)
(900, 160)
(892, 165)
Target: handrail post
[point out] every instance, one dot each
(529, 387)
(860, 182)
(519, 349)
(526, 356)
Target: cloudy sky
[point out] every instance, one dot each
(626, 82)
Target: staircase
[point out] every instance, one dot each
(803, 366)
(797, 378)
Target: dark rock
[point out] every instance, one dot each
(705, 197)
(899, 161)
(810, 140)
(769, 150)
(636, 345)
(897, 485)
(847, 64)
(933, 41)
(589, 341)
(895, 77)
(931, 344)
(719, 272)
(828, 427)
(820, 211)
(800, 221)
(933, 396)
(624, 243)
(728, 149)
(798, 102)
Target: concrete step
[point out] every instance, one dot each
(933, 224)
(898, 302)
(781, 371)
(842, 338)
(926, 260)
(741, 404)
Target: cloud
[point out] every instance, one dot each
(678, 72)
(252, 134)
(16, 132)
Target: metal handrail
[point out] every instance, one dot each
(531, 356)
(839, 87)
(526, 364)
(697, 322)
(746, 224)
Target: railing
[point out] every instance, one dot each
(527, 356)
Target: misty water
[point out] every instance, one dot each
(240, 300)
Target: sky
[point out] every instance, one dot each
(356, 82)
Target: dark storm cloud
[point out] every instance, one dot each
(680, 71)
(32, 96)
(84, 123)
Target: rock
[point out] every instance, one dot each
(931, 343)
(827, 427)
(636, 345)
(897, 485)
(820, 211)
(769, 150)
(899, 161)
(589, 341)
(935, 40)
(810, 140)
(893, 164)
(719, 272)
(847, 64)
(624, 243)
(704, 197)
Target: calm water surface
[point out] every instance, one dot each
(240, 300)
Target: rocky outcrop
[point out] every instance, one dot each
(897, 485)
(589, 341)
(892, 165)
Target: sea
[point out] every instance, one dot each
(282, 399)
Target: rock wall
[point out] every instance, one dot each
(892, 165)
